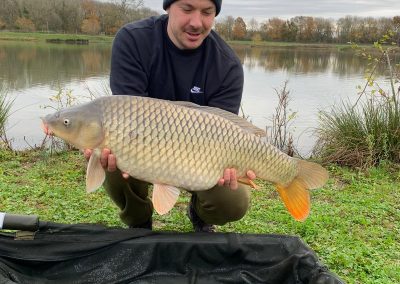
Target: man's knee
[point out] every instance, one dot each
(221, 205)
(131, 196)
(234, 211)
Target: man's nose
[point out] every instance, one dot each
(196, 20)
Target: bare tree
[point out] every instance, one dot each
(224, 27)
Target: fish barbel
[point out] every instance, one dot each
(180, 145)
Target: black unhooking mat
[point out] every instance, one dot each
(87, 253)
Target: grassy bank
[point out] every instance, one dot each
(292, 44)
(354, 226)
(42, 37)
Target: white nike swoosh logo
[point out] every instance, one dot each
(195, 91)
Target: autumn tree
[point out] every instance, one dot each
(43, 15)
(346, 29)
(2, 24)
(275, 29)
(324, 30)
(109, 18)
(290, 31)
(9, 11)
(71, 15)
(239, 29)
(24, 24)
(306, 28)
(224, 27)
(94, 16)
(91, 23)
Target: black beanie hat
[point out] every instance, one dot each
(167, 3)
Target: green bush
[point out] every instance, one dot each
(362, 136)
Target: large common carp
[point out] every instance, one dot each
(180, 145)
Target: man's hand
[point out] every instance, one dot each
(230, 178)
(107, 160)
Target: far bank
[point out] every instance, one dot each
(43, 37)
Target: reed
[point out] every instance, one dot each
(5, 108)
(360, 137)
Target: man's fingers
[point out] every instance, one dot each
(234, 183)
(227, 177)
(104, 157)
(230, 179)
(108, 160)
(251, 175)
(87, 153)
(112, 163)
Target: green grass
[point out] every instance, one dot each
(354, 226)
(290, 44)
(41, 37)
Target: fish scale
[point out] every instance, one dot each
(193, 152)
(181, 145)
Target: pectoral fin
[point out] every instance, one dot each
(95, 173)
(164, 198)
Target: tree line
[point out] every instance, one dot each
(70, 16)
(310, 29)
(95, 17)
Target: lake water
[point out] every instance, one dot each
(317, 79)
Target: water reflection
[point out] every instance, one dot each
(302, 60)
(23, 65)
(318, 78)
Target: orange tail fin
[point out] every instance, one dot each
(296, 195)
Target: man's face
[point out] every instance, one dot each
(190, 22)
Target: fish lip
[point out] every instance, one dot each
(45, 128)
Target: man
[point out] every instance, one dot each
(177, 57)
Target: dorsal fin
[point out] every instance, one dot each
(239, 121)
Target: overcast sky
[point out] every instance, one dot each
(285, 9)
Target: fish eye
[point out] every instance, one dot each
(66, 121)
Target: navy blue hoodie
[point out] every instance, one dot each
(145, 62)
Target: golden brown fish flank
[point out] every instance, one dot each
(182, 145)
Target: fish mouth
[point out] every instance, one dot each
(46, 128)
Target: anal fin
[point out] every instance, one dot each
(164, 198)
